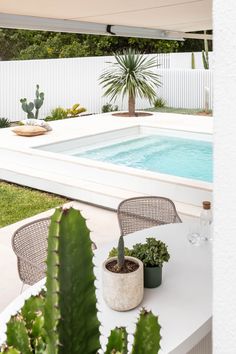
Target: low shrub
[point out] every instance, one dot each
(57, 114)
(159, 102)
(75, 110)
(108, 107)
(4, 123)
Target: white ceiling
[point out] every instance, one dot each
(177, 15)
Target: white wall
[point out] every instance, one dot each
(224, 262)
(75, 80)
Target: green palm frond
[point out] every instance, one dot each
(131, 74)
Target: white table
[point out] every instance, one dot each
(183, 301)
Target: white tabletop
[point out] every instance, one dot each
(184, 299)
(182, 302)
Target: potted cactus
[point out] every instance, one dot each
(153, 254)
(63, 318)
(122, 280)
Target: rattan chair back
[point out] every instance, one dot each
(144, 212)
(29, 243)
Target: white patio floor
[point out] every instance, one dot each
(103, 224)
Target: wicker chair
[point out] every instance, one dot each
(29, 243)
(143, 212)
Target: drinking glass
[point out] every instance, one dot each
(194, 236)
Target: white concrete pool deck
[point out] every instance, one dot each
(37, 173)
(76, 127)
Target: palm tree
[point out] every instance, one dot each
(131, 74)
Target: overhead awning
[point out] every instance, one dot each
(150, 18)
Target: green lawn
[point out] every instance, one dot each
(18, 203)
(176, 110)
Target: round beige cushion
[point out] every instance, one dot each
(29, 130)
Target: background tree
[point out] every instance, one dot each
(26, 44)
(131, 75)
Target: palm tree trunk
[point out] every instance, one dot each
(131, 106)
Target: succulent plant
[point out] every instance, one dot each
(76, 110)
(64, 319)
(29, 107)
(4, 123)
(153, 253)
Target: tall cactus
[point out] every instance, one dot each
(29, 107)
(70, 287)
(65, 319)
(193, 65)
(205, 55)
(121, 253)
(38, 102)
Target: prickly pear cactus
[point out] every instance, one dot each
(27, 107)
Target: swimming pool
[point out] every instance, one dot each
(176, 156)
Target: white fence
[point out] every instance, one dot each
(75, 80)
(182, 60)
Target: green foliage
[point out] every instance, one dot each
(13, 195)
(144, 341)
(76, 110)
(64, 320)
(25, 332)
(114, 252)
(117, 341)
(193, 65)
(159, 102)
(57, 114)
(152, 253)
(25, 44)
(108, 107)
(4, 123)
(28, 107)
(131, 75)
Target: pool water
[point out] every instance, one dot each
(163, 154)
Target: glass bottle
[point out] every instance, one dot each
(206, 221)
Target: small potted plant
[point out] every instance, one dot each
(122, 280)
(153, 254)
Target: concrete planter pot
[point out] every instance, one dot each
(123, 291)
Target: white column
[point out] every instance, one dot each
(224, 263)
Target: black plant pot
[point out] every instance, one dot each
(152, 277)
